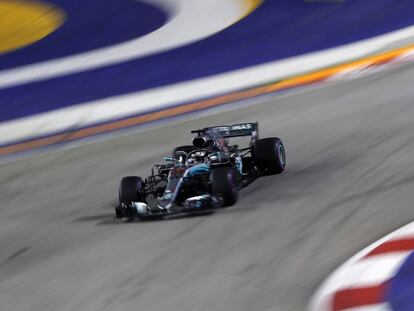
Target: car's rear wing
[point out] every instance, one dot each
(235, 130)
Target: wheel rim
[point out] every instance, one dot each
(282, 155)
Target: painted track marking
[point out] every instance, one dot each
(362, 282)
(12, 131)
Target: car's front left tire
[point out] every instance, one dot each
(131, 189)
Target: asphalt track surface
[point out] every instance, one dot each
(349, 181)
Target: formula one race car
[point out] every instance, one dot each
(205, 175)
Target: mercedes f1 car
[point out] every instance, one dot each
(205, 175)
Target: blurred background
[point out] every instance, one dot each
(91, 91)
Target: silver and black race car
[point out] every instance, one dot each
(205, 175)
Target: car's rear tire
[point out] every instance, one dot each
(223, 184)
(270, 155)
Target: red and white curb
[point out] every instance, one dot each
(359, 284)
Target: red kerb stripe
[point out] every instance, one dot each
(393, 246)
(358, 297)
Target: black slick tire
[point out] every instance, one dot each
(130, 190)
(270, 155)
(223, 185)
